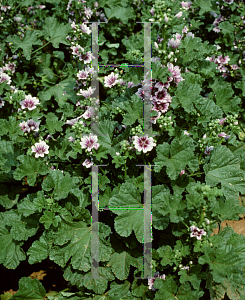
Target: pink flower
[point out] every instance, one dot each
(235, 67)
(5, 77)
(77, 50)
(40, 149)
(208, 149)
(182, 172)
(88, 12)
(83, 74)
(186, 4)
(29, 102)
(85, 28)
(87, 57)
(87, 163)
(71, 139)
(89, 142)
(111, 80)
(223, 60)
(88, 113)
(73, 121)
(222, 134)
(174, 43)
(185, 30)
(221, 121)
(29, 126)
(87, 93)
(143, 143)
(160, 106)
(179, 14)
(175, 70)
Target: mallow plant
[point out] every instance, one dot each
(55, 164)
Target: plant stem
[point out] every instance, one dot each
(125, 170)
(41, 47)
(163, 36)
(199, 173)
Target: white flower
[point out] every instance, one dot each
(196, 232)
(5, 77)
(85, 28)
(89, 142)
(178, 15)
(40, 149)
(111, 80)
(86, 93)
(143, 143)
(87, 163)
(29, 102)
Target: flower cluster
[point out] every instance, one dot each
(29, 126)
(221, 61)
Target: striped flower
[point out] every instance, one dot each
(29, 102)
(111, 80)
(144, 143)
(89, 142)
(40, 149)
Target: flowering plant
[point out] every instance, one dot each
(75, 136)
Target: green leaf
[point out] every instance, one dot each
(132, 216)
(43, 66)
(188, 94)
(56, 32)
(11, 253)
(73, 241)
(30, 167)
(174, 157)
(21, 79)
(104, 133)
(208, 109)
(240, 85)
(47, 218)
(224, 168)
(26, 44)
(168, 290)
(226, 262)
(192, 278)
(29, 289)
(133, 108)
(205, 6)
(26, 207)
(120, 13)
(120, 264)
(60, 183)
(52, 123)
(58, 90)
(38, 250)
(224, 96)
(119, 291)
(227, 28)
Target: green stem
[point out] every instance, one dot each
(41, 47)
(202, 215)
(102, 170)
(125, 170)
(163, 36)
(199, 173)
